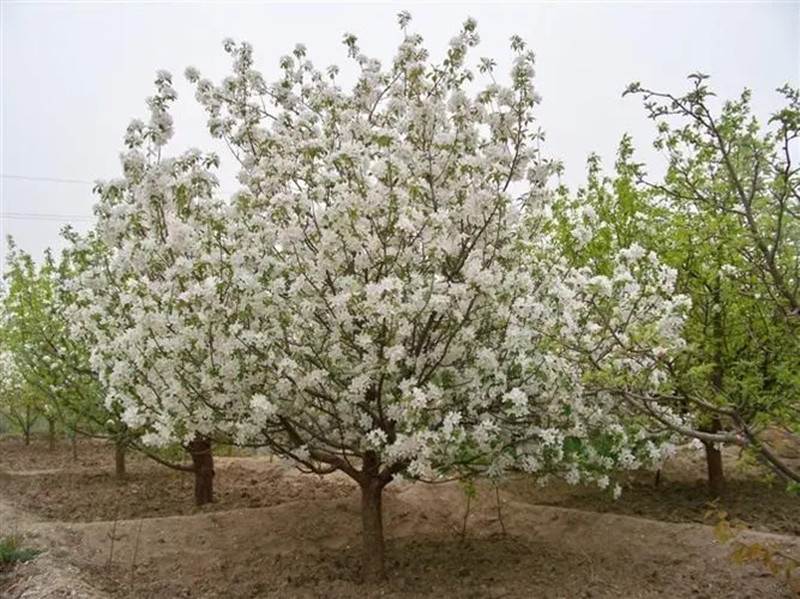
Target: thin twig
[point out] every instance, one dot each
(500, 510)
(113, 538)
(466, 515)
(135, 551)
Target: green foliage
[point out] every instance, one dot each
(614, 209)
(21, 405)
(735, 239)
(726, 218)
(12, 551)
(36, 335)
(469, 488)
(173, 453)
(793, 488)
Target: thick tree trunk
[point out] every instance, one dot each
(716, 474)
(51, 434)
(120, 449)
(26, 433)
(372, 530)
(203, 461)
(372, 483)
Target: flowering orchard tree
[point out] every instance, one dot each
(148, 294)
(135, 300)
(385, 295)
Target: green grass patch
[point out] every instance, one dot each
(12, 551)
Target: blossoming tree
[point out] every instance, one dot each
(384, 296)
(147, 297)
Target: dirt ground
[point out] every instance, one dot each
(680, 495)
(273, 532)
(88, 491)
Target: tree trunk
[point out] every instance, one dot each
(716, 474)
(120, 449)
(203, 461)
(372, 483)
(716, 477)
(372, 531)
(51, 434)
(28, 425)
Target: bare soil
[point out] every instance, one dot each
(273, 532)
(88, 490)
(680, 495)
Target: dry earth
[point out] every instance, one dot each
(276, 533)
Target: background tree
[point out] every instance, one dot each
(20, 404)
(37, 336)
(726, 217)
(48, 357)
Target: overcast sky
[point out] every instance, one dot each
(74, 74)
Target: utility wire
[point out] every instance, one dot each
(48, 179)
(46, 217)
(43, 216)
(40, 216)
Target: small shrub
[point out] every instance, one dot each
(12, 552)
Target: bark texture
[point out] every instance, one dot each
(203, 463)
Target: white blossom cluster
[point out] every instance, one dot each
(10, 376)
(374, 288)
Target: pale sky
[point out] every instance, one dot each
(75, 73)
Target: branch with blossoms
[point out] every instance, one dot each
(746, 436)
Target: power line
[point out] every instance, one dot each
(59, 180)
(41, 216)
(44, 216)
(47, 179)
